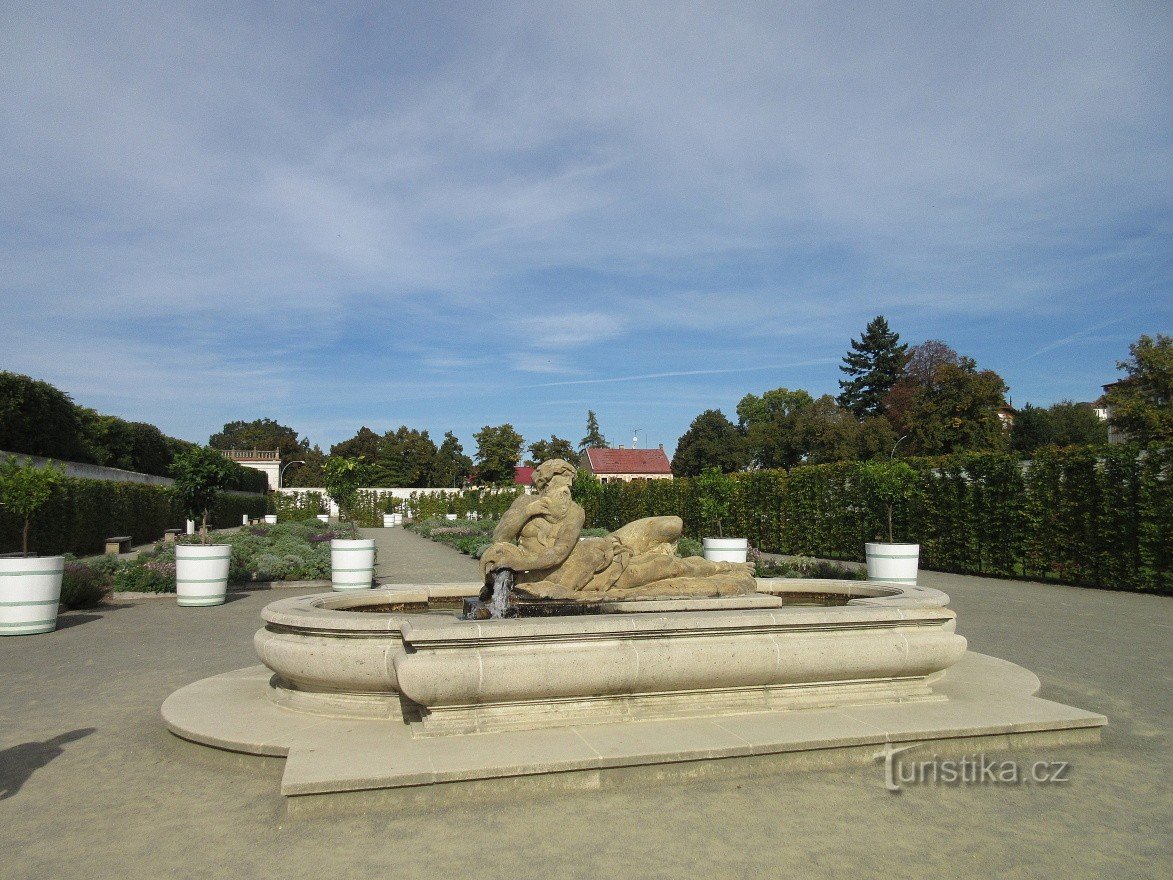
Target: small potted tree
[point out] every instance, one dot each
(30, 586)
(391, 515)
(715, 499)
(887, 485)
(352, 560)
(201, 570)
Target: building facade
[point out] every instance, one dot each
(625, 465)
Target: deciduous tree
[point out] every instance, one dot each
(261, 434)
(957, 410)
(1141, 403)
(452, 465)
(498, 451)
(711, 441)
(555, 447)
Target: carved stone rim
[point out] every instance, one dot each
(325, 611)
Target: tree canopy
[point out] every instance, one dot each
(555, 447)
(711, 441)
(201, 474)
(498, 452)
(38, 419)
(261, 434)
(873, 364)
(1141, 404)
(784, 428)
(452, 465)
(947, 405)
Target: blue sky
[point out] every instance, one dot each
(452, 215)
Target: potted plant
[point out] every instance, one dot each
(889, 484)
(392, 517)
(201, 570)
(352, 560)
(30, 586)
(715, 498)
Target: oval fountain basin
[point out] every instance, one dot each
(408, 655)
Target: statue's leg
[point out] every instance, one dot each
(650, 533)
(650, 568)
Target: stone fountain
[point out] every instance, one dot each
(583, 655)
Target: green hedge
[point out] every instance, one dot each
(296, 506)
(83, 513)
(1098, 516)
(486, 503)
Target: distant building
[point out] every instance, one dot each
(625, 465)
(267, 461)
(1006, 414)
(1104, 411)
(523, 476)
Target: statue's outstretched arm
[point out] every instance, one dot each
(505, 554)
(514, 519)
(568, 534)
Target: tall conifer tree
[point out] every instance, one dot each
(594, 438)
(874, 364)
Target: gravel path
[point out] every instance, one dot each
(92, 785)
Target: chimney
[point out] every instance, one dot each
(620, 445)
(661, 447)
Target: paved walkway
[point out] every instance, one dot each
(93, 786)
(403, 557)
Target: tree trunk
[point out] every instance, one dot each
(25, 535)
(890, 539)
(204, 528)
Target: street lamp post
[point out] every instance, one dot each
(281, 472)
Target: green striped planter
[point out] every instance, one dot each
(201, 573)
(352, 564)
(894, 563)
(30, 593)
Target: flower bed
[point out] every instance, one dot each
(285, 552)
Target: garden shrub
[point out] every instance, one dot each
(1098, 516)
(81, 514)
(85, 584)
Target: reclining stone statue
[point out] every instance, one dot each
(538, 539)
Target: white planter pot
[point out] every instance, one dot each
(270, 519)
(392, 519)
(323, 517)
(201, 573)
(893, 562)
(244, 519)
(450, 516)
(30, 592)
(726, 549)
(191, 526)
(352, 564)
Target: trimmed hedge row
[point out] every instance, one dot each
(487, 503)
(83, 513)
(1092, 516)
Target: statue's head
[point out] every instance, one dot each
(548, 470)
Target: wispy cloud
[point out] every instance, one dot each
(1071, 338)
(340, 194)
(677, 373)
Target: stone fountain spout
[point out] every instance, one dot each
(496, 600)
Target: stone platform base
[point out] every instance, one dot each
(989, 705)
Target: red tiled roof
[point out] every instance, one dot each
(523, 476)
(628, 461)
